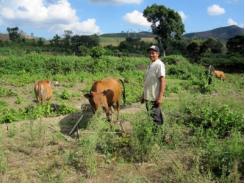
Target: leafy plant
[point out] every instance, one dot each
(65, 95)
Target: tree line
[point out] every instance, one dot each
(167, 26)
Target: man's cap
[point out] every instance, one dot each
(154, 47)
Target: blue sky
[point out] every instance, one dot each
(48, 17)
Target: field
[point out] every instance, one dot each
(115, 41)
(201, 140)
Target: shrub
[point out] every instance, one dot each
(6, 92)
(144, 137)
(65, 95)
(97, 52)
(34, 112)
(183, 69)
(174, 59)
(224, 158)
(218, 118)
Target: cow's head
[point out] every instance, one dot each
(100, 99)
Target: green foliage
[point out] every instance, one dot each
(97, 52)
(231, 62)
(174, 59)
(220, 119)
(34, 112)
(211, 45)
(134, 45)
(18, 100)
(3, 159)
(84, 41)
(84, 51)
(3, 105)
(224, 159)
(6, 92)
(236, 44)
(181, 68)
(193, 50)
(8, 116)
(53, 172)
(212, 130)
(165, 22)
(84, 157)
(65, 95)
(14, 34)
(143, 139)
(3, 162)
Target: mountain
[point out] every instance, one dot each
(222, 33)
(143, 34)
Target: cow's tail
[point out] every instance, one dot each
(124, 92)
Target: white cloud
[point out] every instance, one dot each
(230, 22)
(215, 10)
(85, 27)
(135, 17)
(118, 1)
(45, 14)
(182, 15)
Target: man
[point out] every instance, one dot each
(154, 85)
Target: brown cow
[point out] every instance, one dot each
(43, 90)
(106, 93)
(217, 73)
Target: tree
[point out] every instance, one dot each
(236, 44)
(86, 41)
(14, 34)
(133, 45)
(97, 52)
(165, 23)
(178, 46)
(193, 50)
(56, 40)
(40, 42)
(67, 38)
(211, 45)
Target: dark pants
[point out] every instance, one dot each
(155, 112)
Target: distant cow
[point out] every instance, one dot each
(217, 73)
(106, 93)
(43, 90)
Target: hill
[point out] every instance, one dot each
(4, 37)
(143, 34)
(222, 33)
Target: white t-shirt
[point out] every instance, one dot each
(152, 83)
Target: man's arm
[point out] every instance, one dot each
(162, 90)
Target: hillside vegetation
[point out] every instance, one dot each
(222, 33)
(201, 139)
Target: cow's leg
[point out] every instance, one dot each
(117, 108)
(108, 113)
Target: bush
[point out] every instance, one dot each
(174, 59)
(185, 70)
(224, 158)
(97, 52)
(220, 119)
(34, 112)
(65, 95)
(6, 92)
(227, 62)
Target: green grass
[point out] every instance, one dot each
(200, 141)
